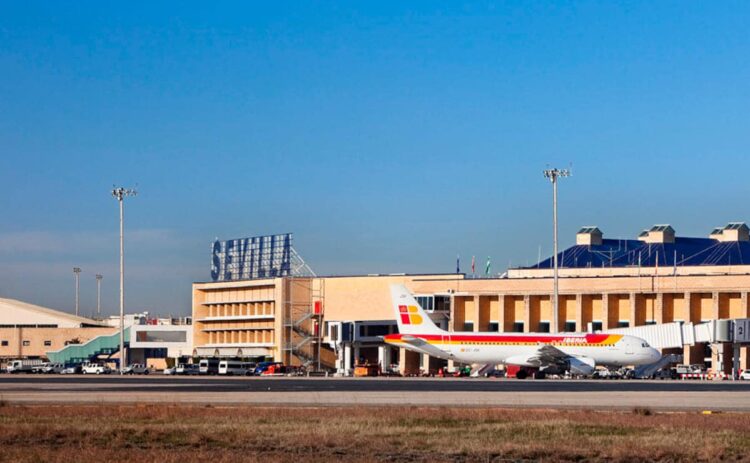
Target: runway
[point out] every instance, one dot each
(462, 392)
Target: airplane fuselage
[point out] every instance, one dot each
(519, 348)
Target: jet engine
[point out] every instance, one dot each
(582, 366)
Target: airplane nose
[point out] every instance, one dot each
(654, 354)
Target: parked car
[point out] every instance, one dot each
(71, 370)
(187, 369)
(52, 368)
(170, 371)
(745, 375)
(263, 366)
(135, 369)
(95, 369)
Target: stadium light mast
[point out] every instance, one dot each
(120, 193)
(553, 175)
(98, 296)
(77, 273)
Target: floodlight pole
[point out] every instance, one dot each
(120, 193)
(553, 175)
(99, 296)
(77, 273)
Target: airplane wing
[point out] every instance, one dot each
(547, 355)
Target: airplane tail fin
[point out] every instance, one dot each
(410, 317)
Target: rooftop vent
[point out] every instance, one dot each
(589, 236)
(733, 231)
(663, 233)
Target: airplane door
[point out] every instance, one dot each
(629, 348)
(445, 340)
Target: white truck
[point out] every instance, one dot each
(24, 365)
(95, 369)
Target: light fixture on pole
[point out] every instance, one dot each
(77, 273)
(98, 296)
(120, 193)
(553, 175)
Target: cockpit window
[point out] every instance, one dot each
(645, 344)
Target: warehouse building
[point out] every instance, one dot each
(604, 284)
(30, 331)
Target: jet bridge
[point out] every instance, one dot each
(678, 334)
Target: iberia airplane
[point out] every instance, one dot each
(578, 353)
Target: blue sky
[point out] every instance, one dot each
(388, 137)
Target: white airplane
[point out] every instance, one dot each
(578, 353)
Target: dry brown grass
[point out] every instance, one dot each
(187, 434)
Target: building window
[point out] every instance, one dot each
(518, 327)
(443, 303)
(468, 326)
(4, 343)
(26, 343)
(623, 324)
(47, 343)
(596, 326)
(493, 326)
(544, 327)
(426, 302)
(569, 327)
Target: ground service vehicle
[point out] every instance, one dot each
(236, 368)
(95, 369)
(579, 353)
(71, 370)
(745, 375)
(209, 366)
(170, 371)
(24, 366)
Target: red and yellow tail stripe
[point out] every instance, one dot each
(588, 340)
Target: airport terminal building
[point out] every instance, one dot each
(257, 306)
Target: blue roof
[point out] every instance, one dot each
(628, 253)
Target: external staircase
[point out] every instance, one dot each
(74, 354)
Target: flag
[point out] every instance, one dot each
(472, 264)
(458, 263)
(487, 267)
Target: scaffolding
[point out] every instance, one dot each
(304, 300)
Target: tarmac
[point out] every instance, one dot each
(673, 395)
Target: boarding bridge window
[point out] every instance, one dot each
(374, 330)
(518, 327)
(570, 326)
(426, 302)
(623, 324)
(596, 326)
(468, 326)
(544, 327)
(650, 322)
(493, 326)
(334, 330)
